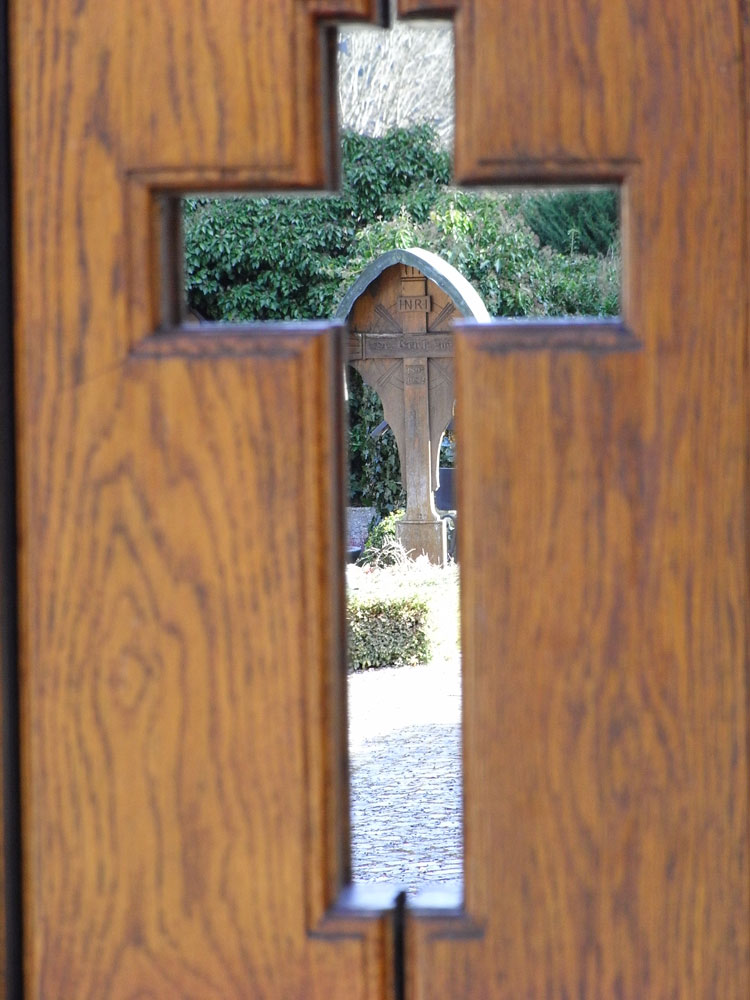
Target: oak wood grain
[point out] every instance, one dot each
(236, 84)
(9, 836)
(603, 504)
(605, 783)
(185, 806)
(169, 837)
(183, 723)
(213, 96)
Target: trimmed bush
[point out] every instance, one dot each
(387, 632)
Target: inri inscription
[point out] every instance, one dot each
(414, 303)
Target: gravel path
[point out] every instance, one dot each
(404, 747)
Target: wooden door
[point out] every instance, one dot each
(182, 737)
(183, 765)
(603, 502)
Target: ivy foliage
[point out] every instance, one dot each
(374, 466)
(292, 258)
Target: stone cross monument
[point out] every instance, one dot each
(401, 343)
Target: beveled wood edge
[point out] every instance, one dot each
(153, 250)
(374, 12)
(503, 336)
(356, 906)
(442, 909)
(323, 571)
(208, 179)
(546, 172)
(412, 9)
(359, 903)
(444, 926)
(334, 907)
(11, 840)
(445, 899)
(223, 340)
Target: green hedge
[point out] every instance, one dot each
(387, 632)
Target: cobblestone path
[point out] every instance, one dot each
(404, 747)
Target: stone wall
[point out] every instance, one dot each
(357, 524)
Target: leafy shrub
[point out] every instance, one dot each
(382, 547)
(485, 237)
(293, 258)
(381, 174)
(288, 257)
(575, 221)
(387, 632)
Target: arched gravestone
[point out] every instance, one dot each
(400, 311)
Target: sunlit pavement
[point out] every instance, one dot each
(404, 738)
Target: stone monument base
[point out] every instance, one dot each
(428, 538)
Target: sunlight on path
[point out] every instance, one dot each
(405, 756)
(383, 702)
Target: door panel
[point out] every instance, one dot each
(180, 508)
(603, 665)
(183, 747)
(177, 794)
(245, 88)
(603, 525)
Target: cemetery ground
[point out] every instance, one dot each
(405, 741)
